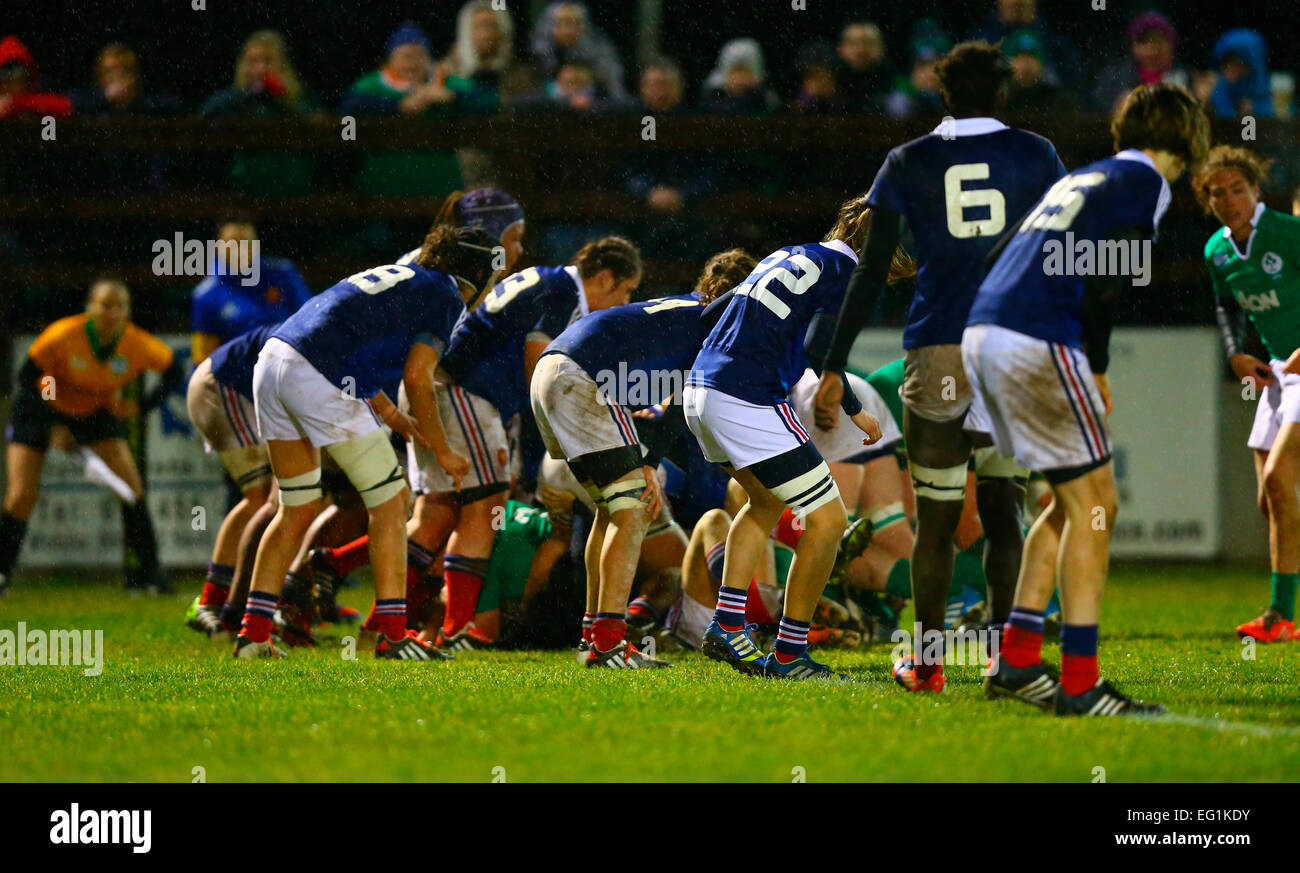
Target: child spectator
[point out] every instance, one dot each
(1243, 86)
(818, 92)
(563, 35)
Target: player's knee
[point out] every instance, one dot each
(1279, 485)
(20, 502)
(371, 467)
(714, 524)
(827, 520)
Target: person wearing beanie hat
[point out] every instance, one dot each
(1152, 41)
(18, 81)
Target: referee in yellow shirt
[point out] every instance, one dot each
(73, 376)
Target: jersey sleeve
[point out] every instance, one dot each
(1217, 284)
(204, 314)
(886, 191)
(437, 322)
(45, 349)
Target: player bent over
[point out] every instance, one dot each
(581, 391)
(488, 366)
(220, 403)
(349, 343)
(1036, 352)
(1252, 261)
(736, 404)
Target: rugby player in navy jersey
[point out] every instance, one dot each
(488, 366)
(321, 381)
(956, 189)
(220, 403)
(737, 404)
(434, 515)
(582, 392)
(1036, 352)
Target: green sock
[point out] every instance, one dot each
(899, 582)
(968, 572)
(1284, 588)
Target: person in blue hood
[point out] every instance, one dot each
(1243, 86)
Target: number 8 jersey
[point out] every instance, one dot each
(756, 350)
(959, 188)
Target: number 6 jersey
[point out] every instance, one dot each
(959, 188)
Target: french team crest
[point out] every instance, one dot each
(1271, 263)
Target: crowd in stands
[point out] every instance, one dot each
(569, 63)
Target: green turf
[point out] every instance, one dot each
(169, 701)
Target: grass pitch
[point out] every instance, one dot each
(168, 702)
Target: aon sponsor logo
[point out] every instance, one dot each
(1258, 302)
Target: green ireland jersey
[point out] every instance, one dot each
(524, 530)
(1263, 278)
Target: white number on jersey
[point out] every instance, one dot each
(510, 288)
(959, 199)
(380, 278)
(1068, 194)
(760, 290)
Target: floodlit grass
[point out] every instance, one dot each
(169, 701)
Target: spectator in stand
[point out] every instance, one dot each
(738, 83)
(667, 181)
(118, 92)
(864, 74)
(1065, 65)
(574, 89)
(818, 92)
(410, 84)
(1031, 95)
(484, 53)
(265, 82)
(18, 85)
(919, 93)
(1243, 86)
(1152, 40)
(119, 88)
(265, 86)
(565, 35)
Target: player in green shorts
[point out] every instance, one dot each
(1254, 265)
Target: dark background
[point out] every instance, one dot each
(334, 41)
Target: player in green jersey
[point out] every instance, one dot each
(1254, 264)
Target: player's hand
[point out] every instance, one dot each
(125, 408)
(1103, 388)
(868, 424)
(826, 408)
(656, 411)
(1251, 367)
(651, 496)
(1292, 363)
(404, 426)
(456, 465)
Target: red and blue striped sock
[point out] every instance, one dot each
(464, 577)
(641, 607)
(730, 612)
(588, 618)
(791, 639)
(1078, 657)
(608, 630)
(390, 617)
(258, 612)
(1022, 637)
(714, 560)
(216, 587)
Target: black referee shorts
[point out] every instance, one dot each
(32, 419)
